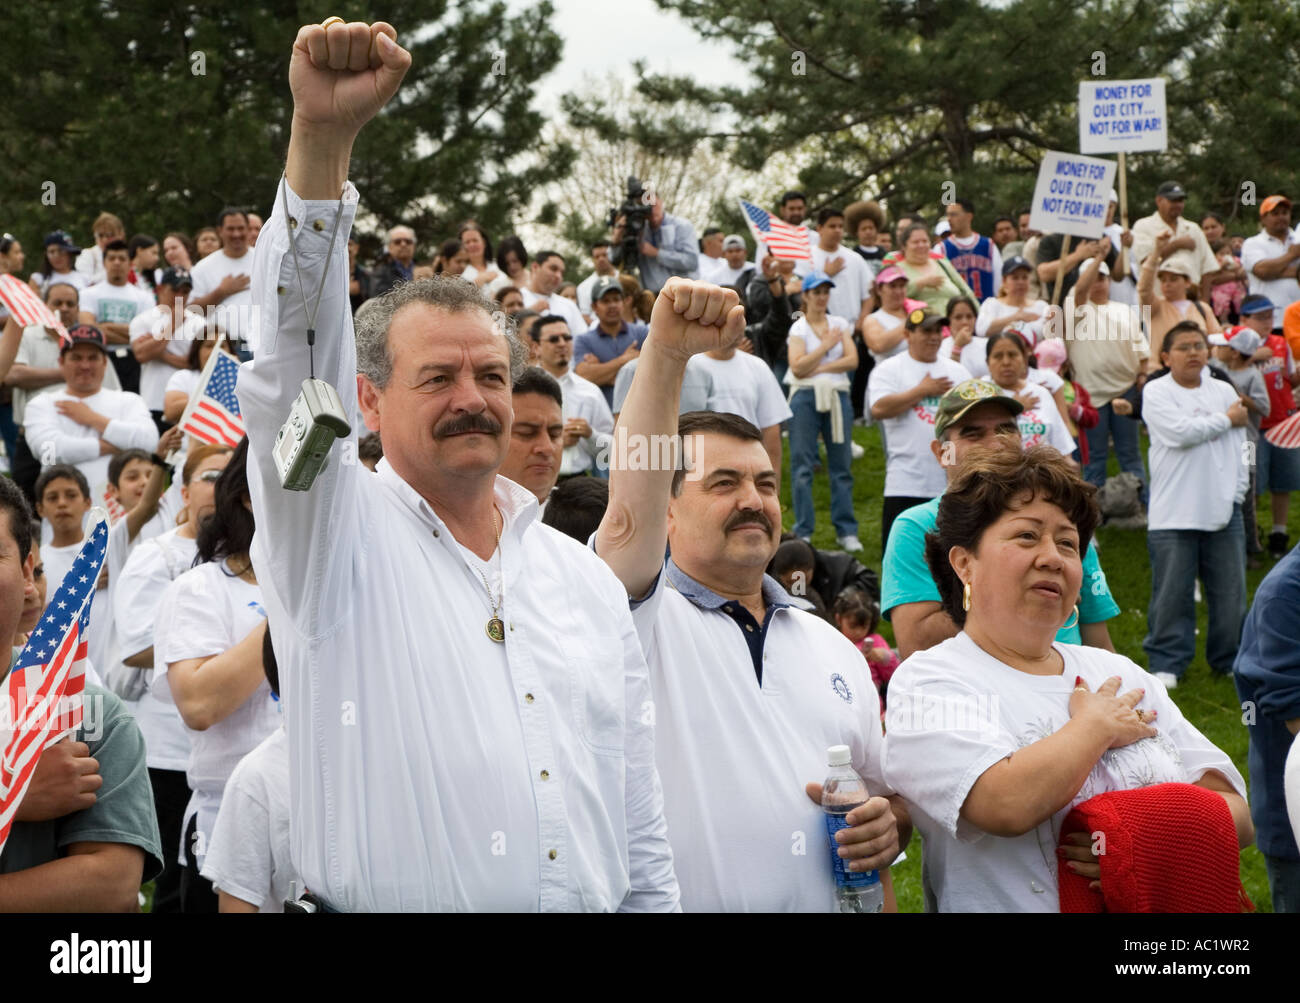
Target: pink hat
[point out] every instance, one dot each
(1050, 354)
(890, 274)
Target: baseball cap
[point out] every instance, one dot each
(1103, 268)
(176, 277)
(1245, 340)
(1013, 263)
(889, 274)
(1050, 353)
(60, 238)
(1172, 264)
(83, 334)
(604, 285)
(733, 240)
(923, 317)
(814, 279)
(1272, 202)
(966, 395)
(942, 227)
(1170, 190)
(1255, 303)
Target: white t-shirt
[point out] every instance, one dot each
(1041, 425)
(110, 304)
(852, 282)
(151, 567)
(974, 355)
(102, 636)
(1195, 453)
(155, 374)
(232, 313)
(955, 711)
(249, 854)
(994, 309)
(556, 304)
(203, 613)
(888, 322)
(911, 471)
(745, 385)
(802, 329)
(39, 349)
(1283, 292)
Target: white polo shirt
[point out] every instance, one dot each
(583, 399)
(1283, 292)
(734, 755)
(430, 767)
(744, 385)
(556, 304)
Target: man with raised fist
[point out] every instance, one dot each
(467, 705)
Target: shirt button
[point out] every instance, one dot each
(292, 221)
(546, 774)
(749, 627)
(528, 698)
(279, 290)
(552, 854)
(317, 225)
(435, 534)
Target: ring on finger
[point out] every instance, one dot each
(333, 19)
(1082, 689)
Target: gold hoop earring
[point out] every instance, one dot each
(965, 597)
(1067, 626)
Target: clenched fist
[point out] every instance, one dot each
(342, 75)
(692, 316)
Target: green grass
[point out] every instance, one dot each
(1209, 702)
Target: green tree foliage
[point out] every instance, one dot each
(164, 111)
(894, 99)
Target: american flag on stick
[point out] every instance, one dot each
(26, 307)
(790, 243)
(1285, 434)
(43, 692)
(212, 415)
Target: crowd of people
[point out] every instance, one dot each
(487, 660)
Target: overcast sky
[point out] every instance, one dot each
(601, 38)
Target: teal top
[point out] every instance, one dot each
(906, 576)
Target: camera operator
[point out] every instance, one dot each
(666, 246)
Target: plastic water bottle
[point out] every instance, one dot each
(842, 791)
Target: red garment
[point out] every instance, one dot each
(1167, 848)
(1082, 413)
(1281, 400)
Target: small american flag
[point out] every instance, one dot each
(1285, 434)
(43, 693)
(212, 414)
(115, 509)
(790, 243)
(26, 307)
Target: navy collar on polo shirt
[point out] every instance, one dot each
(774, 598)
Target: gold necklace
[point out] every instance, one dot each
(495, 628)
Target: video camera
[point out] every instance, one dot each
(635, 211)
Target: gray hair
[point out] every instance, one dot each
(454, 295)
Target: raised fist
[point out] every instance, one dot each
(342, 75)
(693, 316)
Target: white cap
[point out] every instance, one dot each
(942, 227)
(1114, 195)
(839, 755)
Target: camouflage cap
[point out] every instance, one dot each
(964, 396)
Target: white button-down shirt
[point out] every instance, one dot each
(432, 768)
(1283, 292)
(583, 399)
(735, 756)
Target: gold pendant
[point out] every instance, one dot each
(496, 630)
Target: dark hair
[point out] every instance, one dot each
(536, 380)
(1182, 327)
(1005, 219)
(1015, 337)
(966, 205)
(1209, 214)
(269, 664)
(912, 228)
(369, 447)
(117, 245)
(53, 473)
(210, 335)
(605, 243)
(955, 301)
(228, 531)
(856, 606)
(511, 243)
(185, 242)
(20, 516)
(790, 196)
(230, 210)
(449, 249)
(61, 282)
(119, 461)
(140, 240)
(199, 233)
(709, 232)
(469, 224)
(545, 256)
(792, 555)
(989, 483)
(576, 506)
(500, 294)
(710, 422)
(543, 320)
(827, 214)
(1022, 212)
(915, 217)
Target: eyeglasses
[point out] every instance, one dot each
(558, 338)
(401, 240)
(208, 476)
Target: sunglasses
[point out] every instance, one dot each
(558, 338)
(401, 240)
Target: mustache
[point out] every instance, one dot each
(468, 423)
(748, 515)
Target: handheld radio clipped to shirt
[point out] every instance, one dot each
(316, 419)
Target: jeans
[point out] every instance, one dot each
(1283, 883)
(1178, 558)
(1125, 433)
(805, 426)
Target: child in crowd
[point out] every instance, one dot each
(62, 500)
(1079, 412)
(1232, 354)
(857, 615)
(793, 565)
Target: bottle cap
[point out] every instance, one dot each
(839, 755)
